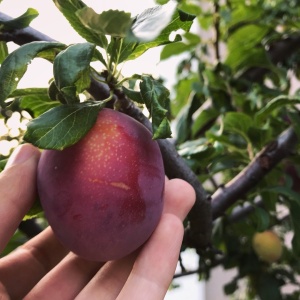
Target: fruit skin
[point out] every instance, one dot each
(103, 196)
(267, 246)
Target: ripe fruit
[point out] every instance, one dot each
(103, 196)
(267, 246)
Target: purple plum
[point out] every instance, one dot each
(103, 196)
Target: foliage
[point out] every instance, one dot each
(234, 94)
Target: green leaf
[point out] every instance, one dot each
(237, 122)
(269, 287)
(294, 214)
(62, 126)
(133, 49)
(156, 98)
(293, 201)
(198, 149)
(19, 22)
(295, 119)
(148, 25)
(190, 42)
(133, 95)
(35, 210)
(3, 51)
(204, 117)
(69, 9)
(275, 103)
(112, 22)
(3, 164)
(15, 65)
(174, 49)
(245, 49)
(262, 219)
(37, 104)
(29, 92)
(72, 66)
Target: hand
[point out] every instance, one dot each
(43, 269)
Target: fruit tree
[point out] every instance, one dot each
(230, 126)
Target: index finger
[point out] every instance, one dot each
(18, 188)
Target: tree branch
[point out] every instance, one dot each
(263, 163)
(278, 52)
(199, 234)
(22, 36)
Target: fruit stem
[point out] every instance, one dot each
(111, 94)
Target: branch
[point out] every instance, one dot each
(263, 163)
(22, 36)
(199, 236)
(30, 228)
(279, 51)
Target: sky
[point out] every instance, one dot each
(52, 23)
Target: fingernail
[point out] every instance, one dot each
(20, 155)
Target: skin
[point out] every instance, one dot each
(43, 269)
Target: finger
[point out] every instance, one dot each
(108, 282)
(179, 198)
(153, 270)
(29, 263)
(18, 189)
(66, 280)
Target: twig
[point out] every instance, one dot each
(217, 29)
(262, 164)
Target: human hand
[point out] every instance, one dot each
(43, 269)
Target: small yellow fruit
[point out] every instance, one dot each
(267, 246)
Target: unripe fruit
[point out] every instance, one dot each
(267, 246)
(103, 196)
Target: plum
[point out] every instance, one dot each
(103, 196)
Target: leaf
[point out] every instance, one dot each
(29, 92)
(156, 98)
(295, 119)
(133, 95)
(62, 126)
(262, 218)
(294, 215)
(237, 122)
(275, 103)
(3, 164)
(133, 49)
(3, 51)
(198, 149)
(37, 104)
(148, 25)
(71, 66)
(19, 22)
(245, 49)
(15, 65)
(293, 200)
(269, 287)
(35, 210)
(191, 41)
(185, 119)
(204, 117)
(69, 9)
(174, 49)
(112, 22)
